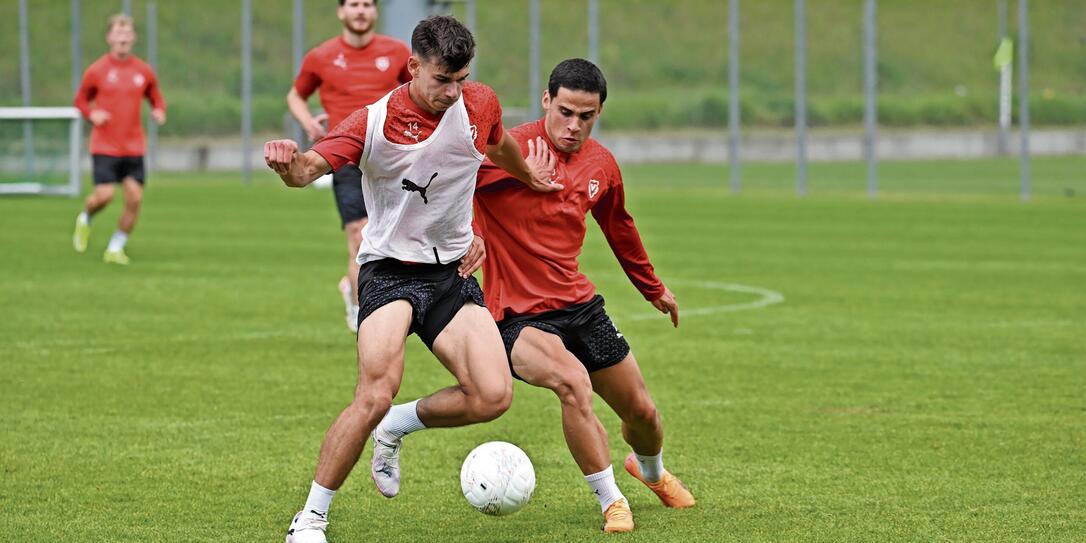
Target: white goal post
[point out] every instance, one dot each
(18, 158)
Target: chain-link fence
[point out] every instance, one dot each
(667, 66)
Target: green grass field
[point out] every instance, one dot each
(922, 379)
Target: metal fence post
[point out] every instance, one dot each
(1004, 86)
(297, 37)
(77, 48)
(152, 59)
(870, 97)
(533, 59)
(24, 80)
(801, 97)
(246, 89)
(1023, 92)
(471, 22)
(733, 93)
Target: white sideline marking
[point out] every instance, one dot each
(766, 298)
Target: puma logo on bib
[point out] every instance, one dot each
(410, 186)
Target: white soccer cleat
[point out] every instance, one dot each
(385, 466)
(308, 527)
(350, 303)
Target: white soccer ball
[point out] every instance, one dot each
(497, 478)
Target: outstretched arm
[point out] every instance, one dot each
(535, 171)
(294, 168)
(625, 241)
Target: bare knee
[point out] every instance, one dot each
(132, 201)
(574, 389)
(488, 404)
(642, 414)
(373, 401)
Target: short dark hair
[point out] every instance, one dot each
(342, 2)
(577, 74)
(444, 39)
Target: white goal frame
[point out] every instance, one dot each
(75, 135)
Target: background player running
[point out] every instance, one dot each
(350, 71)
(109, 97)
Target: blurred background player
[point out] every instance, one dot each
(553, 323)
(351, 71)
(109, 96)
(420, 148)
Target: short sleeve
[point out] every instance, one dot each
(308, 80)
(345, 143)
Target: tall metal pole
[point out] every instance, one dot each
(126, 7)
(246, 89)
(1004, 86)
(472, 22)
(870, 97)
(297, 37)
(152, 59)
(1023, 92)
(77, 48)
(533, 62)
(801, 97)
(594, 31)
(24, 79)
(733, 93)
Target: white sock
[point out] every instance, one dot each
(603, 485)
(83, 217)
(116, 243)
(320, 499)
(402, 419)
(652, 467)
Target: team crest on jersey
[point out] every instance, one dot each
(138, 80)
(593, 188)
(340, 61)
(383, 63)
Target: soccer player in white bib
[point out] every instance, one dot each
(420, 148)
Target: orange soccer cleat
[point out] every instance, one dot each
(671, 491)
(618, 517)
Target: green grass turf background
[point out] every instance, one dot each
(923, 379)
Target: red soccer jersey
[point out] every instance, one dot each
(118, 86)
(406, 123)
(533, 238)
(352, 77)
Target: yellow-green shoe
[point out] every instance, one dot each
(81, 235)
(115, 257)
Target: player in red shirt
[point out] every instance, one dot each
(556, 332)
(351, 70)
(420, 148)
(110, 97)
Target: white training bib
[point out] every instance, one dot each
(419, 196)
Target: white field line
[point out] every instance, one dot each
(766, 297)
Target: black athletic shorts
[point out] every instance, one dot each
(113, 169)
(436, 293)
(347, 186)
(585, 330)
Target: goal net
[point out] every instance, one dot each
(40, 150)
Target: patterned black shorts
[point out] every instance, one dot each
(347, 187)
(585, 330)
(435, 291)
